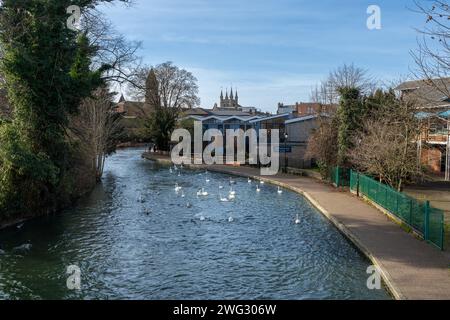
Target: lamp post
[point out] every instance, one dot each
(286, 136)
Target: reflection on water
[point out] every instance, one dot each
(135, 237)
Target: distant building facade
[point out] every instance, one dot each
(432, 101)
(307, 108)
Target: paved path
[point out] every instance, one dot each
(412, 269)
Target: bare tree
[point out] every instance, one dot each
(322, 144)
(386, 147)
(177, 87)
(345, 76)
(325, 93)
(433, 53)
(98, 129)
(114, 54)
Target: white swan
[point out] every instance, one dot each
(232, 192)
(232, 181)
(177, 188)
(182, 194)
(231, 197)
(170, 170)
(258, 189)
(279, 190)
(220, 187)
(297, 219)
(261, 182)
(202, 218)
(222, 199)
(249, 180)
(202, 192)
(230, 219)
(207, 180)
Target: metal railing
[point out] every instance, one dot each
(419, 215)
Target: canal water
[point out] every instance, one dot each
(135, 237)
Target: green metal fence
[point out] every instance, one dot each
(340, 177)
(423, 218)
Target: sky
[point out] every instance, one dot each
(270, 50)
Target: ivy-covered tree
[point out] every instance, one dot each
(350, 114)
(46, 67)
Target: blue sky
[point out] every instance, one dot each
(272, 51)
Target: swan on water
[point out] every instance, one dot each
(202, 192)
(202, 218)
(177, 187)
(232, 181)
(207, 180)
(261, 182)
(232, 192)
(230, 219)
(258, 189)
(231, 197)
(249, 180)
(279, 190)
(220, 187)
(222, 199)
(297, 219)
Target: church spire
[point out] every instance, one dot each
(237, 98)
(231, 94)
(226, 96)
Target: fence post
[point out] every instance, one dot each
(357, 184)
(442, 232)
(426, 224)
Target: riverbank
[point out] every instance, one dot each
(411, 268)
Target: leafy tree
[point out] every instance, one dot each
(350, 114)
(160, 126)
(46, 68)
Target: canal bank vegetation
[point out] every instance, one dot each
(373, 131)
(51, 81)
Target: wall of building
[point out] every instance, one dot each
(301, 131)
(432, 158)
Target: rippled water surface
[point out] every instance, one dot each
(134, 237)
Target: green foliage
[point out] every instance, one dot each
(46, 68)
(350, 114)
(24, 174)
(160, 126)
(187, 124)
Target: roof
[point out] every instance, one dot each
(277, 116)
(425, 115)
(229, 113)
(133, 109)
(222, 118)
(301, 119)
(428, 94)
(196, 111)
